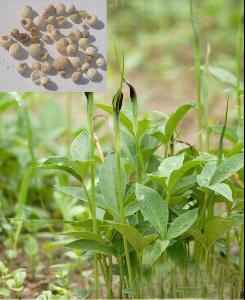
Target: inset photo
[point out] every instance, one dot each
(53, 46)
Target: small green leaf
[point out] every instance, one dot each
(80, 147)
(152, 252)
(91, 246)
(153, 208)
(170, 164)
(181, 224)
(108, 180)
(228, 168)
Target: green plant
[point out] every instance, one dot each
(145, 222)
(11, 283)
(144, 213)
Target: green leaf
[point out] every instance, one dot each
(223, 190)
(80, 147)
(176, 200)
(181, 224)
(216, 228)
(60, 163)
(133, 236)
(131, 208)
(153, 208)
(170, 164)
(238, 219)
(108, 181)
(31, 246)
(175, 119)
(152, 252)
(223, 75)
(178, 253)
(183, 185)
(220, 151)
(176, 175)
(78, 193)
(82, 167)
(125, 120)
(5, 292)
(207, 172)
(227, 168)
(128, 147)
(7, 103)
(87, 235)
(91, 246)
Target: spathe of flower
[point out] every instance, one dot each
(89, 95)
(133, 94)
(117, 101)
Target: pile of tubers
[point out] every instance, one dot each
(38, 30)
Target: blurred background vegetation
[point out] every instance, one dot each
(157, 39)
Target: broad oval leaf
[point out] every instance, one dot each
(152, 252)
(228, 168)
(170, 164)
(90, 246)
(80, 147)
(207, 172)
(181, 224)
(153, 207)
(223, 190)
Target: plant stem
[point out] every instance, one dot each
(206, 98)
(241, 263)
(90, 116)
(122, 283)
(119, 187)
(239, 55)
(198, 78)
(135, 110)
(68, 124)
(110, 278)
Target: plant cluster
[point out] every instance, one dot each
(153, 215)
(46, 28)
